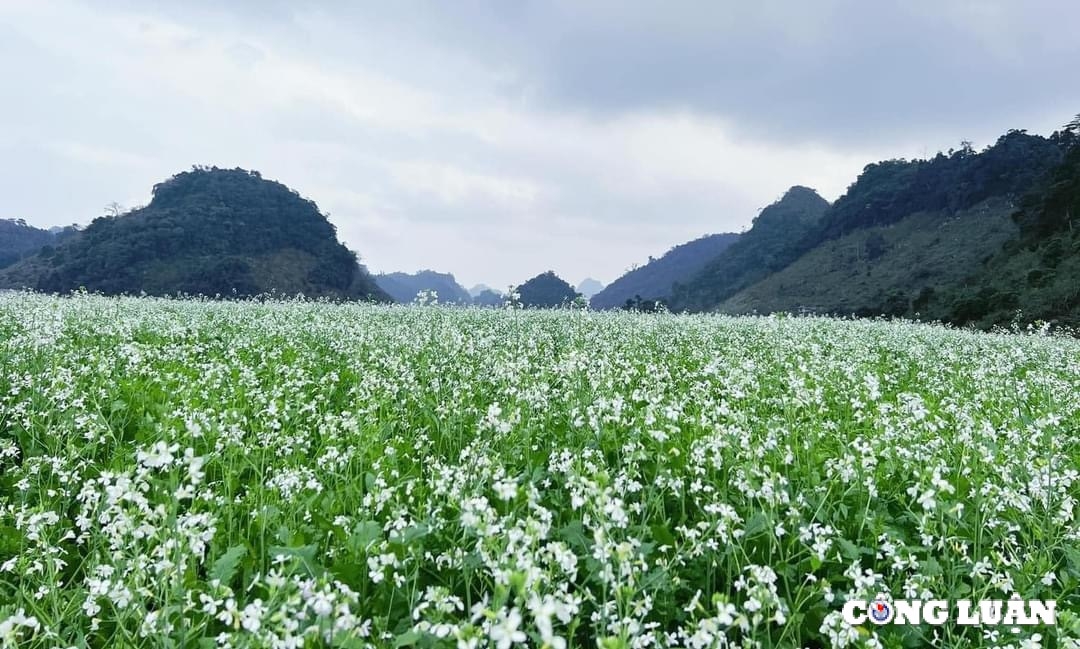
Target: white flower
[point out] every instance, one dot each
(506, 489)
(251, 617)
(505, 631)
(159, 455)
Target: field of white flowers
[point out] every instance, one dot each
(289, 474)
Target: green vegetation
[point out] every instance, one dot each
(207, 231)
(771, 244)
(1037, 275)
(546, 290)
(889, 191)
(884, 270)
(656, 279)
(19, 240)
(932, 239)
(295, 474)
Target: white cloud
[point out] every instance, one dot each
(431, 145)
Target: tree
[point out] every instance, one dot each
(546, 290)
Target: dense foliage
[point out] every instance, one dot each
(207, 231)
(657, 278)
(1037, 275)
(229, 474)
(890, 270)
(546, 290)
(889, 191)
(771, 243)
(404, 287)
(914, 238)
(18, 240)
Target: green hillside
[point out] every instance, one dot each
(19, 240)
(657, 279)
(939, 239)
(770, 244)
(207, 231)
(546, 290)
(1035, 276)
(888, 269)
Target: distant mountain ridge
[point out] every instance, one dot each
(768, 246)
(404, 287)
(589, 287)
(880, 269)
(657, 279)
(207, 231)
(477, 289)
(1035, 276)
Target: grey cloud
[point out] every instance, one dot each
(836, 71)
(497, 139)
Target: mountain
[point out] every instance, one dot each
(206, 231)
(18, 240)
(1036, 275)
(656, 279)
(403, 287)
(589, 287)
(938, 239)
(480, 288)
(880, 269)
(772, 242)
(488, 297)
(546, 290)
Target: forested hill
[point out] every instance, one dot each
(18, 240)
(206, 231)
(656, 279)
(770, 244)
(546, 290)
(1037, 273)
(940, 238)
(403, 287)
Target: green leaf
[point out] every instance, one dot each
(849, 550)
(306, 555)
(413, 532)
(364, 535)
(931, 567)
(574, 534)
(757, 524)
(663, 535)
(225, 567)
(407, 639)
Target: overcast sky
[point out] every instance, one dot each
(496, 140)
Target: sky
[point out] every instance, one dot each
(497, 140)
